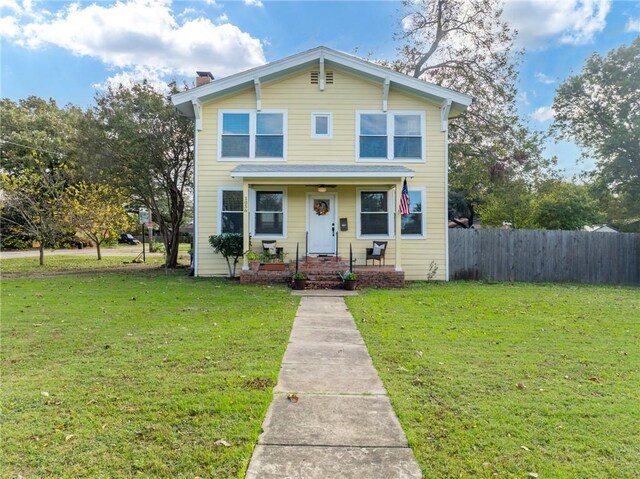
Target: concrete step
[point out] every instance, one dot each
(324, 284)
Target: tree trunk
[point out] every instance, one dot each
(172, 245)
(98, 250)
(41, 253)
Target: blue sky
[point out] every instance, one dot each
(66, 50)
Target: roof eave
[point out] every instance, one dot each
(275, 69)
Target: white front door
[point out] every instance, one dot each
(321, 214)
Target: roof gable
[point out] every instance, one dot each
(184, 101)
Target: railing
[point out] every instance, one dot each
(337, 249)
(306, 246)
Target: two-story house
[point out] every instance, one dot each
(312, 151)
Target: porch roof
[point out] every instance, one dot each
(395, 172)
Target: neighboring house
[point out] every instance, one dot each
(313, 150)
(600, 229)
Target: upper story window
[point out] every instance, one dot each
(252, 135)
(394, 135)
(321, 126)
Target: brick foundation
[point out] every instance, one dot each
(322, 273)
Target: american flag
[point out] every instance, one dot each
(404, 200)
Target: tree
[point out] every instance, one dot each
(97, 212)
(510, 203)
(552, 205)
(464, 45)
(599, 109)
(38, 141)
(35, 132)
(147, 148)
(32, 203)
(561, 205)
(230, 246)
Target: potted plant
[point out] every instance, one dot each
(348, 280)
(254, 260)
(299, 281)
(270, 262)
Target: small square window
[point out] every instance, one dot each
(321, 125)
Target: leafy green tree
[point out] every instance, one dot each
(229, 245)
(31, 203)
(464, 45)
(599, 109)
(35, 132)
(561, 205)
(509, 203)
(146, 147)
(97, 212)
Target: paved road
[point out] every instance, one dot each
(119, 251)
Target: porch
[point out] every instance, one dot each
(319, 213)
(323, 273)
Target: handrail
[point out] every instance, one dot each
(306, 246)
(350, 258)
(337, 243)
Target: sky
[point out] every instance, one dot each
(69, 50)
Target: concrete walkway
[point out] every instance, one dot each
(342, 424)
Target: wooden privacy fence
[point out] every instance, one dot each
(540, 255)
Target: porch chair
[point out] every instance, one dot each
(376, 253)
(269, 246)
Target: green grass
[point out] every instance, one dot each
(123, 375)
(55, 263)
(452, 357)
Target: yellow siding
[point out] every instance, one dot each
(348, 94)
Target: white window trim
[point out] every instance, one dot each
(252, 211)
(390, 134)
(252, 135)
(329, 116)
(423, 196)
(390, 214)
(220, 192)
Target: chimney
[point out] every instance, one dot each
(203, 78)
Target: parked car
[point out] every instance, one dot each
(127, 238)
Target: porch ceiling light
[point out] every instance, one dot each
(322, 189)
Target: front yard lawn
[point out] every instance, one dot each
(137, 375)
(71, 263)
(511, 380)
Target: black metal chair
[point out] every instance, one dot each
(376, 253)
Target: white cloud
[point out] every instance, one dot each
(9, 27)
(633, 25)
(254, 3)
(144, 35)
(11, 5)
(542, 114)
(542, 78)
(541, 22)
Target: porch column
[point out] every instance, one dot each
(398, 227)
(245, 224)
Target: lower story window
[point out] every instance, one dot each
(269, 213)
(413, 223)
(374, 213)
(231, 211)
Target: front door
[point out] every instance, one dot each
(321, 212)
